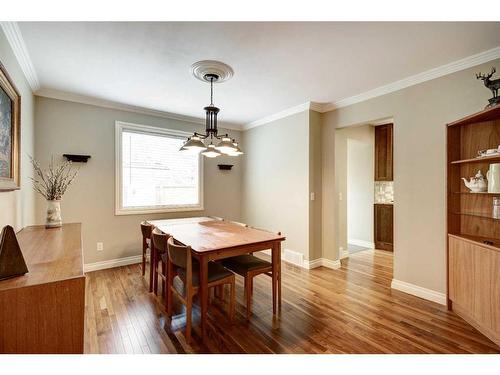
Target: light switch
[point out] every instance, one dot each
(312, 196)
(340, 196)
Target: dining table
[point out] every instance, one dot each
(213, 239)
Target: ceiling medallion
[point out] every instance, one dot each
(203, 68)
(212, 72)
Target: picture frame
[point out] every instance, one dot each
(10, 133)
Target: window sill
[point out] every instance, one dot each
(142, 211)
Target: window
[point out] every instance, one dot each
(152, 175)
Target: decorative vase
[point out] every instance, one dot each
(53, 214)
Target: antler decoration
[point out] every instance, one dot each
(486, 76)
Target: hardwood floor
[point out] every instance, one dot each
(349, 310)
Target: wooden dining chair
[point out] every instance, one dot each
(160, 248)
(183, 279)
(249, 266)
(146, 230)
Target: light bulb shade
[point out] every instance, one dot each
(211, 151)
(193, 144)
(226, 146)
(236, 151)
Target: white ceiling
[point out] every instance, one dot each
(277, 65)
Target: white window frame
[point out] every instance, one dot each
(120, 126)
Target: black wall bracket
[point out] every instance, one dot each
(225, 167)
(77, 158)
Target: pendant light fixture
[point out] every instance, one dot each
(211, 144)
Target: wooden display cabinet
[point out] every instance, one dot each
(473, 254)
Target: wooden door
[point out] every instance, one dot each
(384, 227)
(383, 153)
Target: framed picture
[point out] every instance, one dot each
(10, 133)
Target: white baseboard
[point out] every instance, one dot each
(343, 253)
(89, 267)
(294, 258)
(322, 262)
(415, 290)
(362, 243)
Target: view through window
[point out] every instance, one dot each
(155, 175)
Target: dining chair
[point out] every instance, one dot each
(249, 266)
(183, 279)
(146, 230)
(160, 248)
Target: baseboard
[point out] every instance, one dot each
(89, 267)
(362, 243)
(322, 262)
(293, 257)
(343, 253)
(415, 290)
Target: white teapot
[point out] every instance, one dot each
(477, 184)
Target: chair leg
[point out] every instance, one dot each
(143, 261)
(248, 295)
(232, 301)
(163, 272)
(169, 295)
(189, 304)
(151, 270)
(155, 277)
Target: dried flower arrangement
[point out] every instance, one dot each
(52, 183)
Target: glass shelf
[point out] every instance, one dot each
(481, 159)
(484, 215)
(485, 193)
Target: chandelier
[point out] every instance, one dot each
(211, 144)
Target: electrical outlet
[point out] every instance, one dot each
(312, 196)
(100, 246)
(340, 196)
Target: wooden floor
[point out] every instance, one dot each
(350, 310)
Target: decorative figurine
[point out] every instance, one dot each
(477, 184)
(11, 258)
(493, 85)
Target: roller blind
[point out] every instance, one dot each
(155, 174)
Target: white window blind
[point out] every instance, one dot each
(154, 175)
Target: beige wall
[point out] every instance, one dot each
(275, 184)
(67, 127)
(17, 207)
(315, 179)
(420, 113)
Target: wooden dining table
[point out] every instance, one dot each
(212, 239)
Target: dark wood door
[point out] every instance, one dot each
(384, 226)
(383, 153)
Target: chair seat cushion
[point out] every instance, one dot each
(242, 264)
(215, 272)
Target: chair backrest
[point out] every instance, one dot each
(146, 229)
(179, 255)
(240, 224)
(160, 240)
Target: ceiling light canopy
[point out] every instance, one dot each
(211, 71)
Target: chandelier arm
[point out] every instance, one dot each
(202, 136)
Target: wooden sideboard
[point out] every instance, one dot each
(43, 311)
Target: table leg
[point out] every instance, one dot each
(203, 293)
(278, 256)
(274, 257)
(152, 261)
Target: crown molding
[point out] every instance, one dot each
(82, 99)
(443, 70)
(285, 113)
(16, 41)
